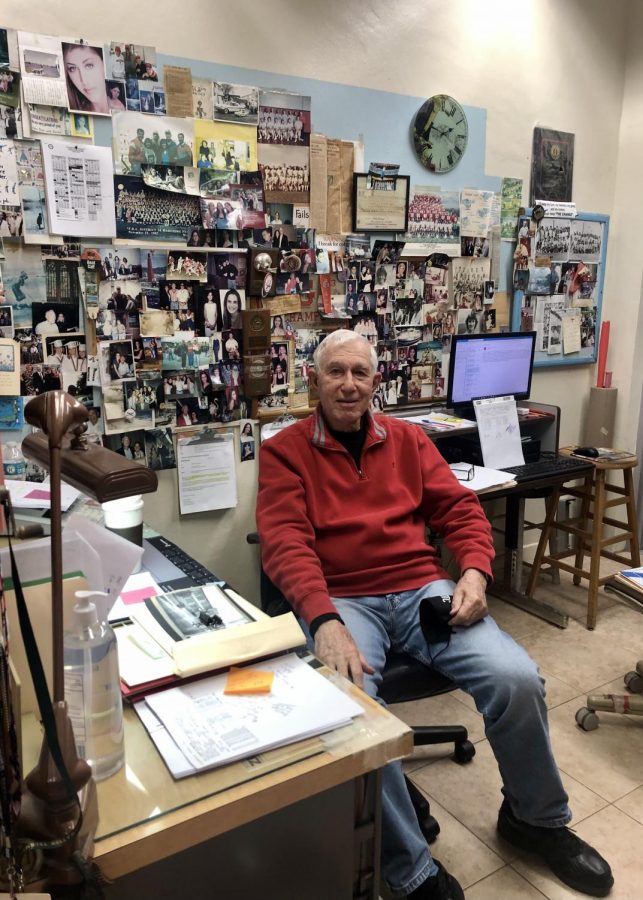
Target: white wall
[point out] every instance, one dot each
(566, 64)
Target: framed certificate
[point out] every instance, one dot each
(380, 204)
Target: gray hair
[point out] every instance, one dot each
(335, 339)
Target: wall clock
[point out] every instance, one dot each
(440, 133)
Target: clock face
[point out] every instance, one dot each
(440, 133)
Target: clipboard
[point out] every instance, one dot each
(206, 471)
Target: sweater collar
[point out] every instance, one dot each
(321, 436)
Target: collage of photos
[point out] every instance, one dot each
(211, 214)
(556, 272)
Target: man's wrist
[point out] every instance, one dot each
(320, 620)
(478, 572)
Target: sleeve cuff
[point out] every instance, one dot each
(319, 620)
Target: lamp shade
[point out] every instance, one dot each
(96, 471)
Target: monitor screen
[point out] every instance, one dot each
(490, 365)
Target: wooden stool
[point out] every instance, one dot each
(590, 538)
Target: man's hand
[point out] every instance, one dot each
(335, 647)
(469, 601)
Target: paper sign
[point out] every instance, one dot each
(499, 432)
(248, 681)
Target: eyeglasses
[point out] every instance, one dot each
(464, 472)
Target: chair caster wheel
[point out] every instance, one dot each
(634, 682)
(587, 719)
(464, 752)
(430, 828)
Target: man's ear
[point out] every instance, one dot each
(376, 380)
(312, 375)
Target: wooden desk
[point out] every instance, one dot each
(308, 828)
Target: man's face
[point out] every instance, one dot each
(140, 133)
(93, 416)
(346, 383)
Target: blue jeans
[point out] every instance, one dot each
(508, 691)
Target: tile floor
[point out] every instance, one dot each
(602, 770)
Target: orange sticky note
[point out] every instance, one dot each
(248, 681)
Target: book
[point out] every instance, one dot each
(631, 578)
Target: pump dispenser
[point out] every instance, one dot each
(92, 688)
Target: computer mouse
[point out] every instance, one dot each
(590, 452)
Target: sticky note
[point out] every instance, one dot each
(248, 681)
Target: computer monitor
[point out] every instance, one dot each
(490, 365)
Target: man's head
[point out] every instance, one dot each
(140, 134)
(345, 375)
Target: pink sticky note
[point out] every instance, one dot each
(38, 494)
(138, 595)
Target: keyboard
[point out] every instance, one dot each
(548, 465)
(172, 568)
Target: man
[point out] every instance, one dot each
(136, 154)
(183, 152)
(49, 325)
(344, 498)
(118, 65)
(125, 448)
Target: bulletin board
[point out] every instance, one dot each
(558, 277)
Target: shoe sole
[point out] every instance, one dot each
(519, 840)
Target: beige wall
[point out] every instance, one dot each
(568, 64)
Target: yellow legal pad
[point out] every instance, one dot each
(248, 681)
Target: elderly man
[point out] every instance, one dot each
(344, 498)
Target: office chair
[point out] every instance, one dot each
(404, 679)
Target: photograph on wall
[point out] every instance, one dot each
(468, 277)
(159, 449)
(128, 60)
(142, 212)
(284, 118)
(139, 139)
(202, 98)
(8, 175)
(225, 146)
(553, 238)
(131, 444)
(586, 240)
(552, 166)
(11, 223)
(23, 277)
(434, 221)
(55, 318)
(179, 179)
(510, 203)
(188, 265)
(10, 122)
(235, 103)
(11, 414)
(9, 87)
(7, 329)
(286, 173)
(84, 70)
(42, 68)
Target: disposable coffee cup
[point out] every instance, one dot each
(125, 518)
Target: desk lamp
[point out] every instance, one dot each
(47, 811)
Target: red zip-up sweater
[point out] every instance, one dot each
(328, 528)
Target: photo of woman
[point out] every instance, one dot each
(115, 95)
(85, 76)
(278, 326)
(232, 303)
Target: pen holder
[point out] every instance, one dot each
(599, 421)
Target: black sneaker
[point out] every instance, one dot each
(441, 886)
(573, 860)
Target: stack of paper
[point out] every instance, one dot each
(197, 726)
(483, 478)
(440, 421)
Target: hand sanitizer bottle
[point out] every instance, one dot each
(92, 688)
